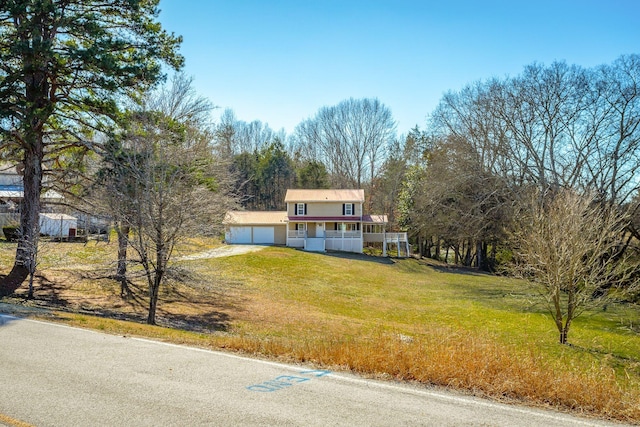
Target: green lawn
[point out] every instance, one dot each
(403, 319)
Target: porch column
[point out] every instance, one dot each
(384, 242)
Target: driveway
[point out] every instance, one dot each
(222, 251)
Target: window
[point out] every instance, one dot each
(301, 209)
(348, 209)
(373, 228)
(347, 226)
(300, 226)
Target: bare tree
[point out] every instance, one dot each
(615, 157)
(568, 246)
(551, 127)
(350, 138)
(163, 181)
(238, 137)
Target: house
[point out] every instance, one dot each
(315, 220)
(12, 190)
(12, 193)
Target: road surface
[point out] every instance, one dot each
(54, 375)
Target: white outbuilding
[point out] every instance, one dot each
(58, 225)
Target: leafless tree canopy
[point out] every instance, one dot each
(237, 136)
(556, 126)
(350, 138)
(569, 246)
(162, 181)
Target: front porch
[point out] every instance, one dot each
(340, 240)
(349, 237)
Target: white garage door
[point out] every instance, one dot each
(240, 235)
(263, 235)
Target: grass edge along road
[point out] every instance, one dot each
(401, 320)
(12, 422)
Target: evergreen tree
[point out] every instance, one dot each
(64, 66)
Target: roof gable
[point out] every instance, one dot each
(325, 196)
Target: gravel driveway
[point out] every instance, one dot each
(222, 251)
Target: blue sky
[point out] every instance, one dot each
(279, 61)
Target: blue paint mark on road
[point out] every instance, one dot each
(285, 381)
(316, 373)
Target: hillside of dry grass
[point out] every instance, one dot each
(399, 319)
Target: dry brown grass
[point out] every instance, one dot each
(462, 361)
(402, 321)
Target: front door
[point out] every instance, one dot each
(319, 229)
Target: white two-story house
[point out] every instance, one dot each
(315, 220)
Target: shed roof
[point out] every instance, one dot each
(255, 218)
(324, 196)
(58, 216)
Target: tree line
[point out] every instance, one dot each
(537, 176)
(493, 142)
(342, 146)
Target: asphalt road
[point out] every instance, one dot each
(53, 375)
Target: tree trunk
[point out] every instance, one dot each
(479, 256)
(154, 291)
(563, 335)
(492, 257)
(153, 302)
(121, 272)
(467, 256)
(25, 260)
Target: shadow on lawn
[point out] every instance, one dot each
(360, 257)
(202, 314)
(46, 292)
(213, 321)
(456, 269)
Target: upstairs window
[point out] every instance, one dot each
(301, 208)
(348, 209)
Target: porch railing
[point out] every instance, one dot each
(337, 234)
(396, 237)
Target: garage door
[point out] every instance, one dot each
(240, 235)
(263, 235)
